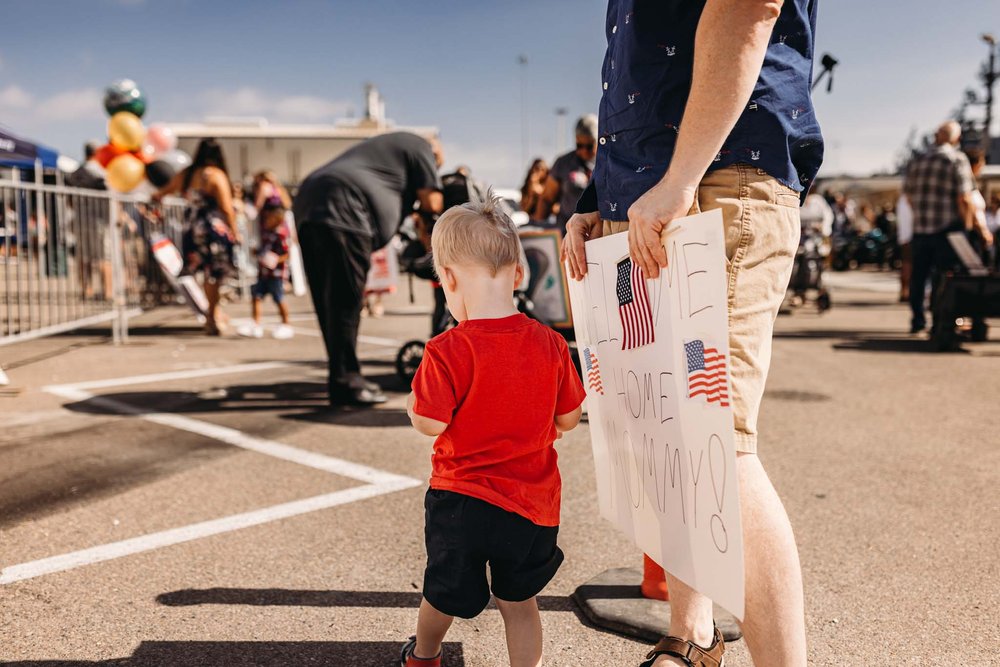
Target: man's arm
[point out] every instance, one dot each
(430, 200)
(726, 69)
(545, 201)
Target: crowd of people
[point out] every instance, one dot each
(349, 209)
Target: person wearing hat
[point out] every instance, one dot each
(569, 176)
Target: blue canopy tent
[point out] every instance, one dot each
(23, 154)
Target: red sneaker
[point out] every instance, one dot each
(407, 659)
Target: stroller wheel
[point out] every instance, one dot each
(823, 301)
(408, 360)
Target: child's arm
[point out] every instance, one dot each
(426, 425)
(568, 421)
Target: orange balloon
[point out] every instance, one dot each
(125, 172)
(106, 153)
(126, 131)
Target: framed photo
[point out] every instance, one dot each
(547, 286)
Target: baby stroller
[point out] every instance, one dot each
(417, 261)
(807, 271)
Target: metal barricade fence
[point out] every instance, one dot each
(71, 258)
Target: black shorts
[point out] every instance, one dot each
(463, 534)
(275, 286)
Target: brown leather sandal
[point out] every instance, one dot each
(692, 654)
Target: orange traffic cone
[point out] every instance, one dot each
(654, 580)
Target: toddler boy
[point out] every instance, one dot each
(497, 391)
(272, 262)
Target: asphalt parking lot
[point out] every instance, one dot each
(183, 500)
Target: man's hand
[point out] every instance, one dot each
(648, 217)
(580, 228)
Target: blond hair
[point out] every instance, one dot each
(476, 234)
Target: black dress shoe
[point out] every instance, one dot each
(362, 397)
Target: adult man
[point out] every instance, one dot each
(344, 211)
(706, 105)
(570, 175)
(90, 174)
(939, 187)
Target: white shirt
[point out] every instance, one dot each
(904, 221)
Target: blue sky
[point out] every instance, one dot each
(449, 63)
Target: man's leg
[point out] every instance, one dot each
(315, 241)
(923, 259)
(774, 619)
(351, 260)
(774, 622)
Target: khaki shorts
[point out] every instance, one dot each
(761, 218)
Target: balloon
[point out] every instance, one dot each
(125, 172)
(178, 158)
(147, 153)
(160, 138)
(106, 153)
(126, 131)
(159, 172)
(124, 95)
(168, 165)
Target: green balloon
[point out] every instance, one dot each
(124, 95)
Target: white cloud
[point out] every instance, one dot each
(250, 101)
(20, 105)
(13, 97)
(73, 105)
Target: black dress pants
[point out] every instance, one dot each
(932, 256)
(336, 264)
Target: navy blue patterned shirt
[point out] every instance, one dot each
(647, 79)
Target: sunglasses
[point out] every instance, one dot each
(589, 146)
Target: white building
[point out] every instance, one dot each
(291, 151)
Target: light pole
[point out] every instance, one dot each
(989, 76)
(522, 60)
(560, 128)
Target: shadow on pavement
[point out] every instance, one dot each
(281, 597)
(866, 341)
(377, 417)
(256, 654)
(911, 345)
(834, 334)
(234, 398)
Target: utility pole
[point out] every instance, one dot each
(522, 60)
(989, 75)
(560, 129)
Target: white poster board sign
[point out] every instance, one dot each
(655, 355)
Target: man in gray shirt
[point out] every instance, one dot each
(345, 210)
(570, 175)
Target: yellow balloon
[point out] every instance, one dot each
(126, 131)
(125, 172)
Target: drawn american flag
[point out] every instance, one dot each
(633, 306)
(706, 368)
(593, 371)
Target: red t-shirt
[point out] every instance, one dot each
(499, 384)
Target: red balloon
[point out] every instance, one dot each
(106, 153)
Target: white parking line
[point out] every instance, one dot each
(376, 482)
(375, 340)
